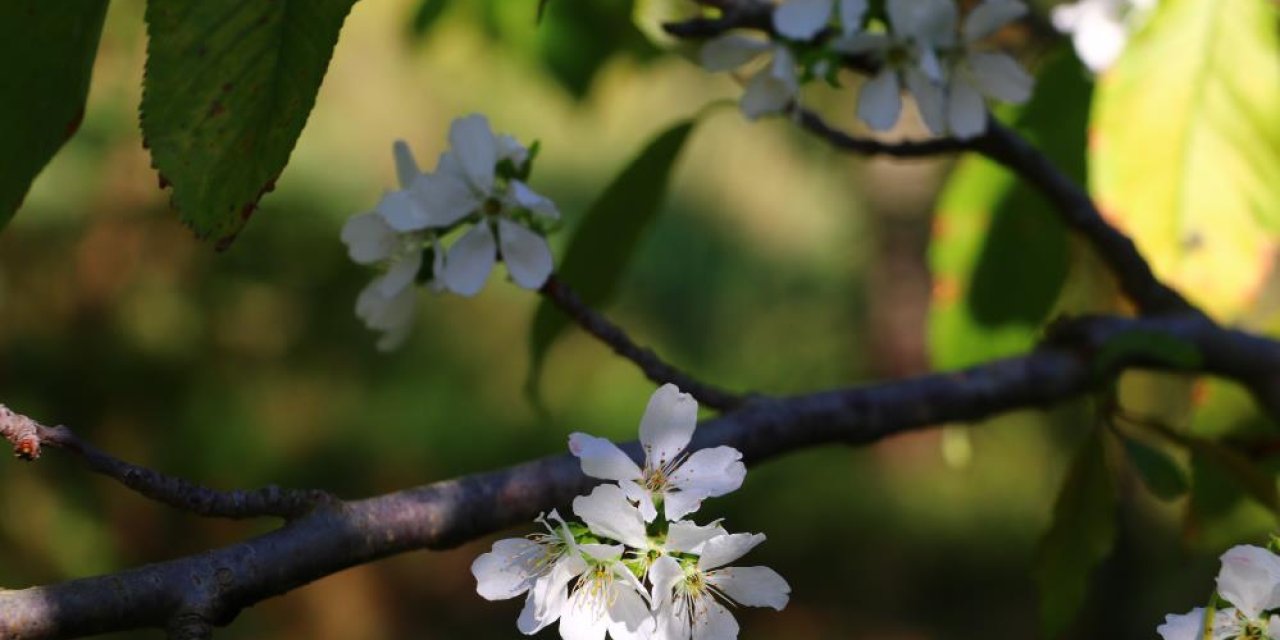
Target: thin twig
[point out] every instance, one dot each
(28, 437)
(654, 368)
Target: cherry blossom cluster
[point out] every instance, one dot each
(1247, 600)
(947, 64)
(1100, 29)
(634, 567)
(479, 185)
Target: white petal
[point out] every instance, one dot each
(879, 102)
(445, 198)
(1098, 37)
(667, 425)
(470, 260)
(527, 622)
(406, 166)
(508, 148)
(687, 537)
(765, 95)
(1187, 626)
(403, 211)
(989, 16)
(664, 574)
(966, 112)
(752, 586)
(583, 618)
(602, 459)
(393, 338)
(1001, 77)
(473, 145)
(629, 617)
(801, 19)
(930, 101)
(525, 197)
(722, 550)
(402, 273)
(642, 497)
(368, 238)
(851, 12)
(550, 593)
(607, 512)
(508, 570)
(672, 621)
(714, 622)
(526, 254)
(1250, 579)
(930, 22)
(731, 51)
(705, 474)
(381, 311)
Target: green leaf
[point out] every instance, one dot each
(1185, 147)
(229, 86)
(425, 16)
(607, 237)
(576, 39)
(1258, 484)
(1221, 511)
(1080, 536)
(999, 255)
(1159, 472)
(48, 49)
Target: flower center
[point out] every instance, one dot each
(492, 206)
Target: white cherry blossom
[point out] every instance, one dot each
(979, 72)
(1100, 29)
(770, 89)
(1250, 582)
(908, 58)
(690, 598)
(466, 182)
(804, 19)
(541, 565)
(391, 237)
(680, 481)
(606, 598)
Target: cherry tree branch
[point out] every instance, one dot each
(654, 368)
(28, 437)
(194, 593)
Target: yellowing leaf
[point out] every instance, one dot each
(1185, 149)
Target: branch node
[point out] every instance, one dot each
(189, 625)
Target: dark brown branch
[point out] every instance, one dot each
(28, 436)
(654, 368)
(813, 123)
(218, 584)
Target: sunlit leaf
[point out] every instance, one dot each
(1080, 536)
(999, 255)
(1185, 147)
(48, 49)
(229, 85)
(607, 237)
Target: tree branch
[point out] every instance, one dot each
(654, 368)
(28, 437)
(220, 583)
